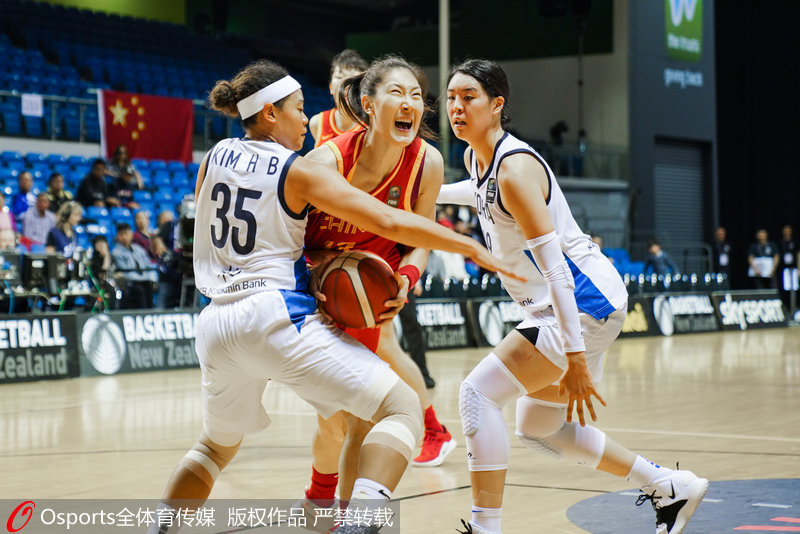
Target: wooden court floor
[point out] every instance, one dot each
(725, 405)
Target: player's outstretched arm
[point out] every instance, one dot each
(308, 182)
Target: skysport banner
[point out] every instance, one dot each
(740, 311)
(38, 347)
(127, 342)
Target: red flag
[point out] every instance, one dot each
(152, 127)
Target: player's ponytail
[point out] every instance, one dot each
(348, 97)
(251, 79)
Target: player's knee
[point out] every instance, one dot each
(207, 449)
(490, 383)
(399, 423)
(332, 430)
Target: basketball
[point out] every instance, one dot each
(356, 284)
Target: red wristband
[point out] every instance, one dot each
(411, 272)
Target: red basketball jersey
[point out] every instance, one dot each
(327, 129)
(399, 189)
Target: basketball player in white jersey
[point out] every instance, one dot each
(575, 303)
(253, 195)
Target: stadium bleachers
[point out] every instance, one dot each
(153, 198)
(40, 52)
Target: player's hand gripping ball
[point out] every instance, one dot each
(356, 284)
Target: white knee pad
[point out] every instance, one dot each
(398, 421)
(542, 427)
(484, 392)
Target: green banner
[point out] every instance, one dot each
(684, 29)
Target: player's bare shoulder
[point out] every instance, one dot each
(324, 155)
(313, 124)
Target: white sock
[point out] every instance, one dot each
(644, 472)
(487, 518)
(162, 511)
(368, 490)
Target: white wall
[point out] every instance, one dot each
(544, 91)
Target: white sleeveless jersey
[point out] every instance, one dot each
(246, 238)
(599, 290)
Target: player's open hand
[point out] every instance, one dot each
(396, 304)
(577, 383)
(485, 259)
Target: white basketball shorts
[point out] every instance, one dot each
(597, 336)
(278, 335)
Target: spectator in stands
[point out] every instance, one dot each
(123, 187)
(25, 197)
(164, 217)
(93, 190)
(101, 263)
(121, 163)
(38, 220)
(658, 261)
(7, 220)
(101, 267)
(56, 192)
(62, 237)
(142, 235)
(788, 264)
(135, 272)
(722, 252)
(762, 258)
(8, 239)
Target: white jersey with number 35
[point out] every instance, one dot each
(246, 238)
(598, 287)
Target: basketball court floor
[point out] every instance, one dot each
(724, 405)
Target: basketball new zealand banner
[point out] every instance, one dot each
(444, 322)
(120, 342)
(38, 347)
(493, 318)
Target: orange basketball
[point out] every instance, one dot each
(356, 284)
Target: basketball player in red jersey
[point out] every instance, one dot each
(328, 124)
(389, 160)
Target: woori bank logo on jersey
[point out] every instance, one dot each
(684, 22)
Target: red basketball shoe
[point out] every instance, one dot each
(435, 448)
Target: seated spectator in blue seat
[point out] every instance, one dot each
(120, 162)
(62, 237)
(93, 190)
(135, 273)
(24, 198)
(56, 193)
(122, 189)
(658, 261)
(38, 220)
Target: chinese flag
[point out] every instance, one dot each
(152, 127)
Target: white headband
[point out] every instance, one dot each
(272, 93)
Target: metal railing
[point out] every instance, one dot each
(203, 141)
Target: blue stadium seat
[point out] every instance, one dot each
(163, 197)
(120, 213)
(10, 155)
(142, 196)
(96, 212)
(77, 160)
(11, 123)
(56, 158)
(174, 166)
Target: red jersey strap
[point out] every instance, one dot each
(327, 130)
